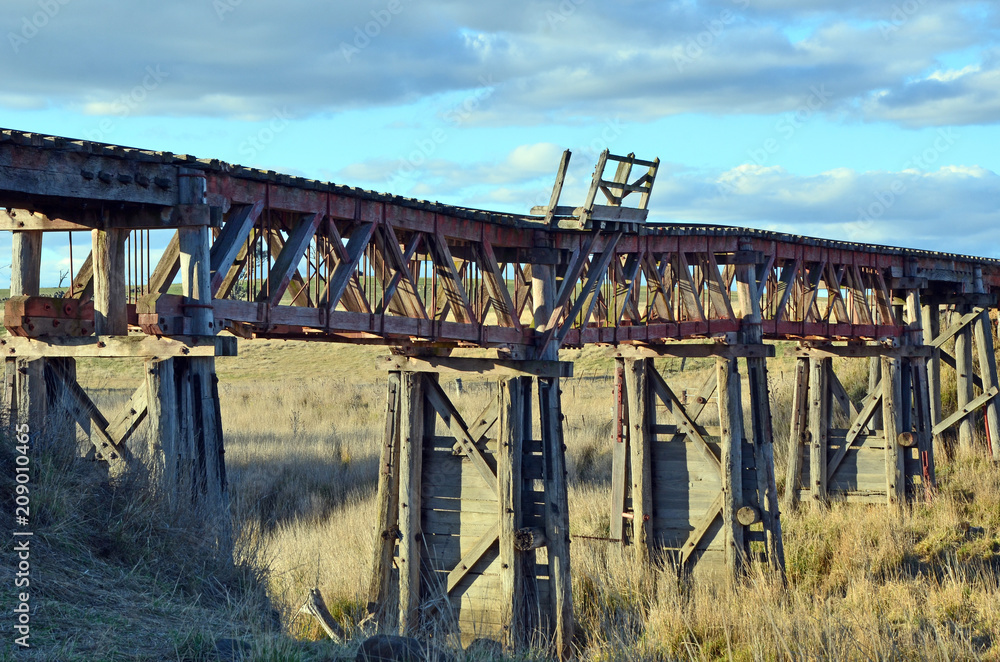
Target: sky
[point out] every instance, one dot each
(863, 120)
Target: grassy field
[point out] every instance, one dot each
(302, 427)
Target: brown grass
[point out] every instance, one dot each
(864, 582)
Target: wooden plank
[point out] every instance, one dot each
(139, 346)
(637, 388)
(493, 367)
(693, 350)
(587, 297)
(129, 416)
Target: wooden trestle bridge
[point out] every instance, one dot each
(472, 506)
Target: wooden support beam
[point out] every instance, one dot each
(497, 367)
(557, 187)
(26, 260)
(931, 323)
(964, 383)
(231, 242)
(509, 481)
(287, 262)
(797, 434)
(693, 350)
(858, 350)
(966, 410)
(983, 334)
(640, 411)
(386, 503)
(619, 455)
(137, 346)
(110, 313)
(895, 475)
(704, 524)
(819, 427)
(556, 515)
(410, 527)
(731, 442)
(167, 454)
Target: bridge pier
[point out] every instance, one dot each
(875, 459)
(694, 487)
(473, 530)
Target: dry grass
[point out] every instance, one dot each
(303, 424)
(864, 582)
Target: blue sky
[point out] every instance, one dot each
(867, 120)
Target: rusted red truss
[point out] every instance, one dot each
(299, 258)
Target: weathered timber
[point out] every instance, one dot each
(819, 426)
(895, 477)
(411, 535)
(639, 396)
(797, 434)
(731, 422)
(133, 346)
(386, 503)
(510, 511)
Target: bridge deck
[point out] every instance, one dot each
(293, 257)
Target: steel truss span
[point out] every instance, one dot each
(297, 258)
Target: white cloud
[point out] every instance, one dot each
(640, 60)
